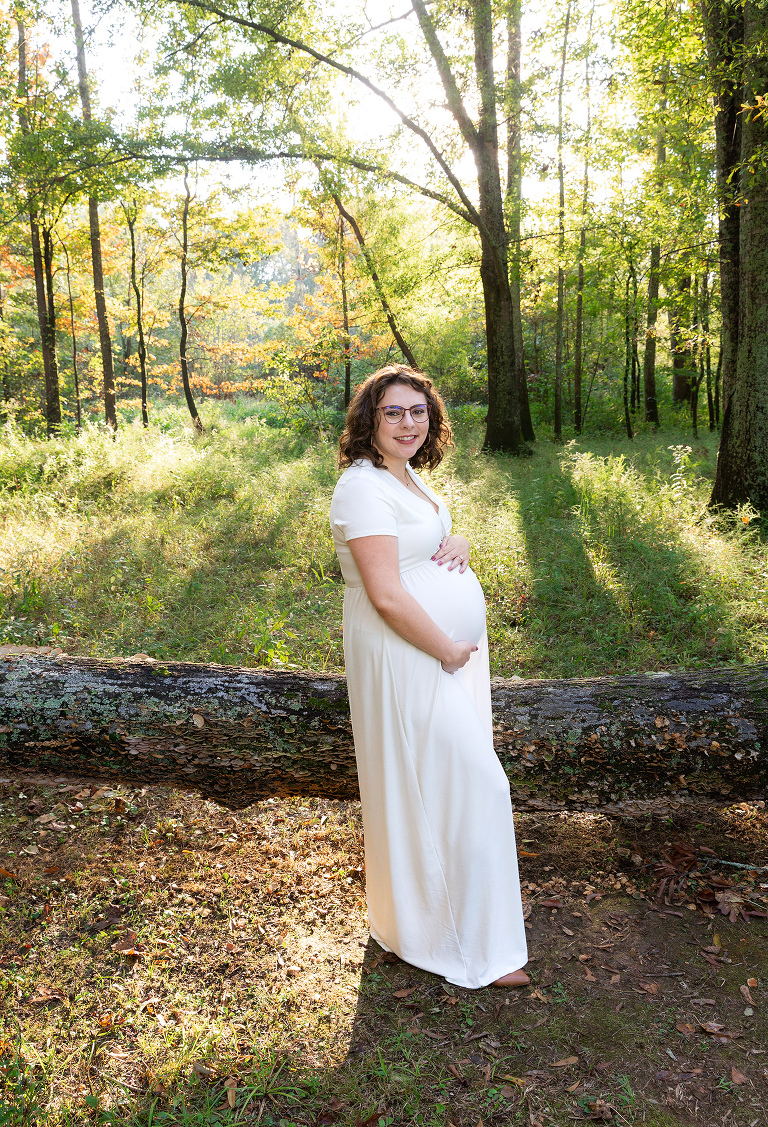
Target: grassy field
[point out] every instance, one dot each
(597, 556)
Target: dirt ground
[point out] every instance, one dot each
(165, 961)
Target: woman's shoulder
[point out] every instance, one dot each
(360, 475)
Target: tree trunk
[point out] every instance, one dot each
(627, 353)
(503, 425)
(578, 344)
(184, 330)
(52, 396)
(654, 272)
(514, 202)
(707, 351)
(345, 314)
(105, 340)
(75, 373)
(724, 30)
(742, 468)
(400, 340)
(649, 360)
(50, 367)
(560, 237)
(683, 366)
(697, 360)
(239, 735)
(130, 218)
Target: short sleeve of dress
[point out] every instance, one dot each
(361, 507)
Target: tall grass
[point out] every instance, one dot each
(596, 556)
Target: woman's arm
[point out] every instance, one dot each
(379, 566)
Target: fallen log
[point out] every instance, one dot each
(238, 735)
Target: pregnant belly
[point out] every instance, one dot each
(454, 601)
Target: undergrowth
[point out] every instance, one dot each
(596, 556)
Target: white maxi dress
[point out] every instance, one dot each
(440, 858)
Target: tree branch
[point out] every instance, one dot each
(298, 45)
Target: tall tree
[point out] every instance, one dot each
(579, 333)
(105, 339)
(652, 296)
(131, 215)
(503, 426)
(514, 201)
(560, 315)
(41, 262)
(737, 45)
(183, 322)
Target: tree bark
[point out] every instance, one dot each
(183, 327)
(105, 339)
(740, 69)
(239, 735)
(514, 202)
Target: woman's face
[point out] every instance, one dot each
(399, 441)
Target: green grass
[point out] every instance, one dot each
(596, 556)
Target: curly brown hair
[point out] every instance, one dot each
(356, 441)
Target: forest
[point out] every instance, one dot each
(217, 217)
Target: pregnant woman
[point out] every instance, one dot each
(440, 859)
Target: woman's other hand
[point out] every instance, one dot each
(462, 651)
(453, 552)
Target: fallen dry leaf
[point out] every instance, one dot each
(702, 1001)
(201, 1069)
(553, 903)
(744, 990)
(565, 1062)
(231, 1085)
(127, 945)
(737, 1077)
(198, 720)
(752, 982)
(588, 973)
(574, 1086)
(686, 1029)
(525, 853)
(405, 993)
(567, 930)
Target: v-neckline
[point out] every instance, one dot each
(427, 500)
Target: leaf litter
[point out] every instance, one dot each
(244, 933)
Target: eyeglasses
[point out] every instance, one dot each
(393, 414)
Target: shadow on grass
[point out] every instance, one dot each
(617, 586)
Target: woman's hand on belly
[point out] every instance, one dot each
(464, 651)
(453, 552)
